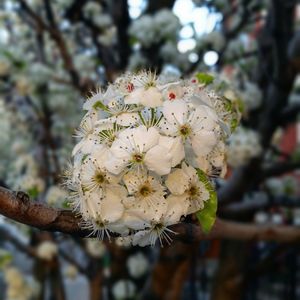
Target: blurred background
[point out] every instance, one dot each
(53, 53)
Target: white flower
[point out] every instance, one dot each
(23, 86)
(198, 126)
(153, 224)
(17, 287)
(214, 39)
(87, 134)
(56, 195)
(186, 188)
(95, 248)
(31, 184)
(251, 95)
(152, 29)
(136, 148)
(146, 96)
(213, 164)
(71, 272)
(244, 145)
(108, 37)
(146, 191)
(137, 265)
(4, 67)
(47, 250)
(123, 289)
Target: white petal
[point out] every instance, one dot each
(175, 148)
(142, 238)
(177, 182)
(132, 221)
(177, 207)
(151, 97)
(203, 117)
(133, 179)
(91, 204)
(135, 97)
(127, 119)
(144, 139)
(115, 165)
(111, 207)
(158, 159)
(175, 111)
(203, 142)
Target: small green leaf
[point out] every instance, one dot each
(207, 215)
(233, 124)
(205, 78)
(99, 105)
(33, 192)
(5, 258)
(66, 204)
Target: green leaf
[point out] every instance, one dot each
(33, 192)
(205, 78)
(5, 258)
(207, 215)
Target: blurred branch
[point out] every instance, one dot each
(289, 114)
(279, 169)
(11, 238)
(154, 5)
(18, 207)
(70, 259)
(245, 210)
(277, 33)
(57, 37)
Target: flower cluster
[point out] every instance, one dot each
(150, 29)
(244, 145)
(214, 40)
(56, 196)
(18, 288)
(47, 250)
(142, 145)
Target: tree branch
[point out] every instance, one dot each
(17, 206)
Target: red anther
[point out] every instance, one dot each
(172, 96)
(130, 87)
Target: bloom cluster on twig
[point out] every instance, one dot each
(142, 145)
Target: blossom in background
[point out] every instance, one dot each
(251, 95)
(18, 288)
(56, 195)
(135, 169)
(124, 289)
(213, 40)
(137, 265)
(286, 185)
(95, 248)
(71, 272)
(4, 66)
(47, 250)
(152, 29)
(244, 144)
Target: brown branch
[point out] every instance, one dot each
(18, 207)
(289, 114)
(280, 168)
